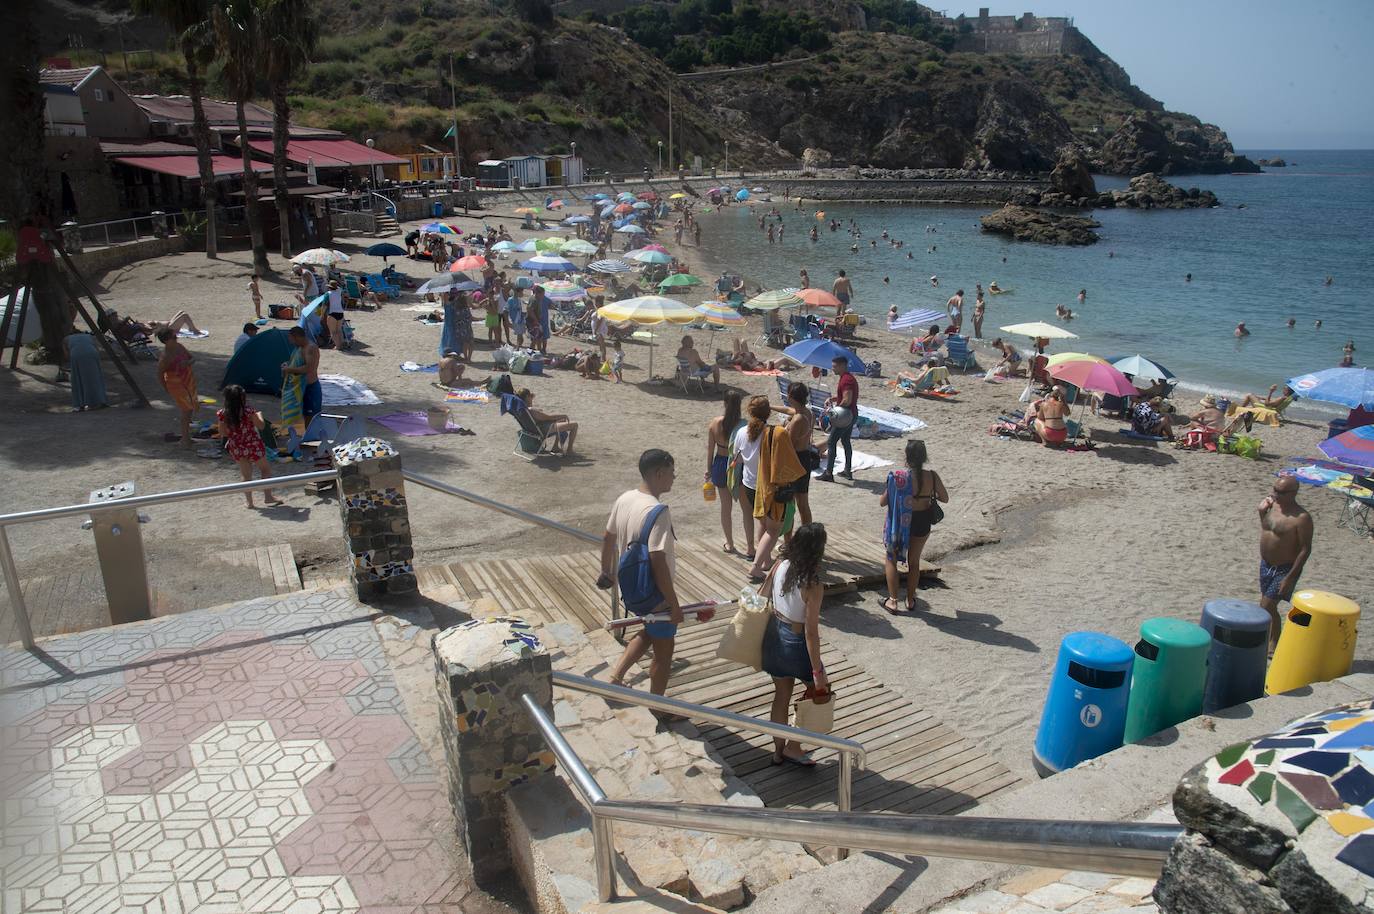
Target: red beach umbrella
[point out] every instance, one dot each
(470, 262)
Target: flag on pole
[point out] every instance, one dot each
(451, 131)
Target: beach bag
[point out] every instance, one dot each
(519, 364)
(281, 312)
(638, 589)
(742, 640)
(815, 710)
(500, 384)
(875, 369)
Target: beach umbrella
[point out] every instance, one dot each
(470, 262)
(622, 208)
(578, 246)
(818, 298)
(647, 195)
(444, 282)
(440, 228)
(547, 263)
(678, 196)
(544, 245)
(625, 197)
(1353, 387)
(562, 290)
(555, 204)
(641, 205)
(775, 299)
(609, 266)
(311, 322)
(643, 256)
(820, 353)
(760, 190)
(526, 210)
(631, 229)
(384, 250)
(655, 246)
(720, 314)
(1094, 376)
(599, 197)
(649, 309)
(607, 212)
(1062, 357)
(577, 220)
(917, 319)
(320, 257)
(1142, 369)
(679, 281)
(505, 247)
(1039, 330)
(1354, 448)
(742, 195)
(528, 246)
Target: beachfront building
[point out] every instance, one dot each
(527, 171)
(493, 173)
(426, 164)
(563, 169)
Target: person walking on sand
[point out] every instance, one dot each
(179, 380)
(1285, 545)
(842, 289)
(909, 498)
(719, 432)
(639, 516)
(844, 407)
(798, 407)
(239, 427)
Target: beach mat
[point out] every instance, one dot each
(416, 366)
(862, 461)
(185, 334)
(341, 390)
(763, 372)
(891, 423)
(1132, 433)
(466, 395)
(411, 424)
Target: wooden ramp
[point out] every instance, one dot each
(276, 566)
(915, 763)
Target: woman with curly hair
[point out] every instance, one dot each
(792, 641)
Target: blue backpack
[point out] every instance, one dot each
(635, 574)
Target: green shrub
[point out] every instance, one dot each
(618, 124)
(928, 68)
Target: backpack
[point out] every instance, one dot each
(500, 384)
(635, 575)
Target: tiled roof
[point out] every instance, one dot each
(69, 78)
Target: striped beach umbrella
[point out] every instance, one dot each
(609, 266)
(562, 290)
(720, 314)
(775, 299)
(650, 309)
(643, 256)
(440, 228)
(916, 319)
(1353, 448)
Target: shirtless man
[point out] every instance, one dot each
(312, 394)
(695, 363)
(843, 289)
(1285, 545)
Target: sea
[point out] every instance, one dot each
(1261, 257)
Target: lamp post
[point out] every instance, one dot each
(372, 144)
(573, 146)
(727, 155)
(660, 156)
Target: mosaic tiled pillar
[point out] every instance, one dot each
(1280, 825)
(372, 500)
(482, 668)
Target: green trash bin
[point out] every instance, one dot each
(1169, 676)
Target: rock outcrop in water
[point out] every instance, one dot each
(1150, 191)
(1142, 144)
(1272, 163)
(1071, 176)
(1025, 224)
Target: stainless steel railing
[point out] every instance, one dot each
(849, 750)
(1127, 848)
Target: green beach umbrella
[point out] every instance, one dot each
(679, 281)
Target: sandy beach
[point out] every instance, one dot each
(1036, 542)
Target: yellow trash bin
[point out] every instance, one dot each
(1317, 644)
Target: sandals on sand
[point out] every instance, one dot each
(801, 761)
(890, 605)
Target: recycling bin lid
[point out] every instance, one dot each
(1325, 603)
(1238, 615)
(1096, 650)
(1176, 633)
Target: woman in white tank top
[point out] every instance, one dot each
(792, 641)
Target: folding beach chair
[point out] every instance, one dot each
(532, 440)
(687, 375)
(958, 352)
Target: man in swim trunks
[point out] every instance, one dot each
(1285, 545)
(843, 289)
(312, 394)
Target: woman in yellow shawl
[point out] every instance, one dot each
(177, 377)
(775, 504)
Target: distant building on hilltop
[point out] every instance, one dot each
(1036, 36)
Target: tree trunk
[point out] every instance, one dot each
(250, 196)
(281, 116)
(200, 127)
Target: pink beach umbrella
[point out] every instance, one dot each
(655, 247)
(1094, 376)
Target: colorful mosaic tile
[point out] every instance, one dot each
(1231, 754)
(1328, 763)
(1292, 806)
(1346, 824)
(1356, 786)
(1316, 790)
(1239, 774)
(360, 449)
(1262, 787)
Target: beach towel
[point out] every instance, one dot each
(766, 372)
(862, 461)
(897, 523)
(412, 424)
(778, 466)
(467, 395)
(185, 334)
(890, 423)
(421, 308)
(1129, 432)
(292, 392)
(416, 366)
(429, 322)
(341, 390)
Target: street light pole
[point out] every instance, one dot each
(570, 162)
(372, 168)
(727, 155)
(660, 157)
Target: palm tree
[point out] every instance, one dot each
(238, 42)
(189, 21)
(289, 31)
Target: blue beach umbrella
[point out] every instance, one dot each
(502, 247)
(607, 212)
(742, 195)
(625, 197)
(312, 322)
(917, 319)
(642, 205)
(1141, 368)
(576, 220)
(1353, 387)
(820, 353)
(631, 229)
(529, 246)
(609, 266)
(548, 264)
(386, 249)
(1353, 448)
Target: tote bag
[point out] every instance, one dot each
(742, 640)
(815, 712)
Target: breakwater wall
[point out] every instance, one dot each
(923, 190)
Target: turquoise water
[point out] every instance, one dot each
(1261, 264)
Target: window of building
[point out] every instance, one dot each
(100, 95)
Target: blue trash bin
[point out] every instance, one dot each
(1238, 658)
(438, 210)
(1085, 710)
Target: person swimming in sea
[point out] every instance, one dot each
(1292, 322)
(1348, 354)
(1328, 281)
(994, 287)
(1241, 330)
(1318, 324)
(935, 280)
(1187, 277)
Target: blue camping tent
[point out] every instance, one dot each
(257, 366)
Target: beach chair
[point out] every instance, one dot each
(1039, 372)
(958, 353)
(687, 375)
(380, 283)
(353, 293)
(533, 440)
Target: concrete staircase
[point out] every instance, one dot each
(387, 225)
(633, 755)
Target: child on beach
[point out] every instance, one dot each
(618, 363)
(239, 425)
(256, 293)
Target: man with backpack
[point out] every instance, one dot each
(638, 551)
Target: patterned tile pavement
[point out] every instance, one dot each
(249, 759)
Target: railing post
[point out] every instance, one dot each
(107, 234)
(846, 798)
(603, 843)
(12, 584)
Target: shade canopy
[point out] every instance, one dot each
(385, 249)
(1062, 357)
(1094, 376)
(643, 256)
(1353, 387)
(1142, 369)
(916, 319)
(818, 298)
(546, 263)
(329, 153)
(562, 290)
(1354, 448)
(320, 257)
(650, 309)
(1039, 330)
(188, 166)
(470, 262)
(720, 314)
(609, 266)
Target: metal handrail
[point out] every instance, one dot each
(390, 206)
(848, 749)
(1127, 848)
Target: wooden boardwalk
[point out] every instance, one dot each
(915, 762)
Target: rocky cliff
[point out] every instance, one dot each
(1143, 144)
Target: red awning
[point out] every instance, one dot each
(329, 153)
(187, 166)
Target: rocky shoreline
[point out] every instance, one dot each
(1025, 224)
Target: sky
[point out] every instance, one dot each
(1273, 75)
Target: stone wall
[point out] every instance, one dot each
(1283, 824)
(93, 188)
(899, 191)
(100, 260)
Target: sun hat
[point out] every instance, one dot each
(1208, 401)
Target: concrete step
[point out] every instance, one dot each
(633, 755)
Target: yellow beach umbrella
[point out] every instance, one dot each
(677, 196)
(1073, 357)
(650, 309)
(1039, 329)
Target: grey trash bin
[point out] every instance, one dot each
(1238, 657)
